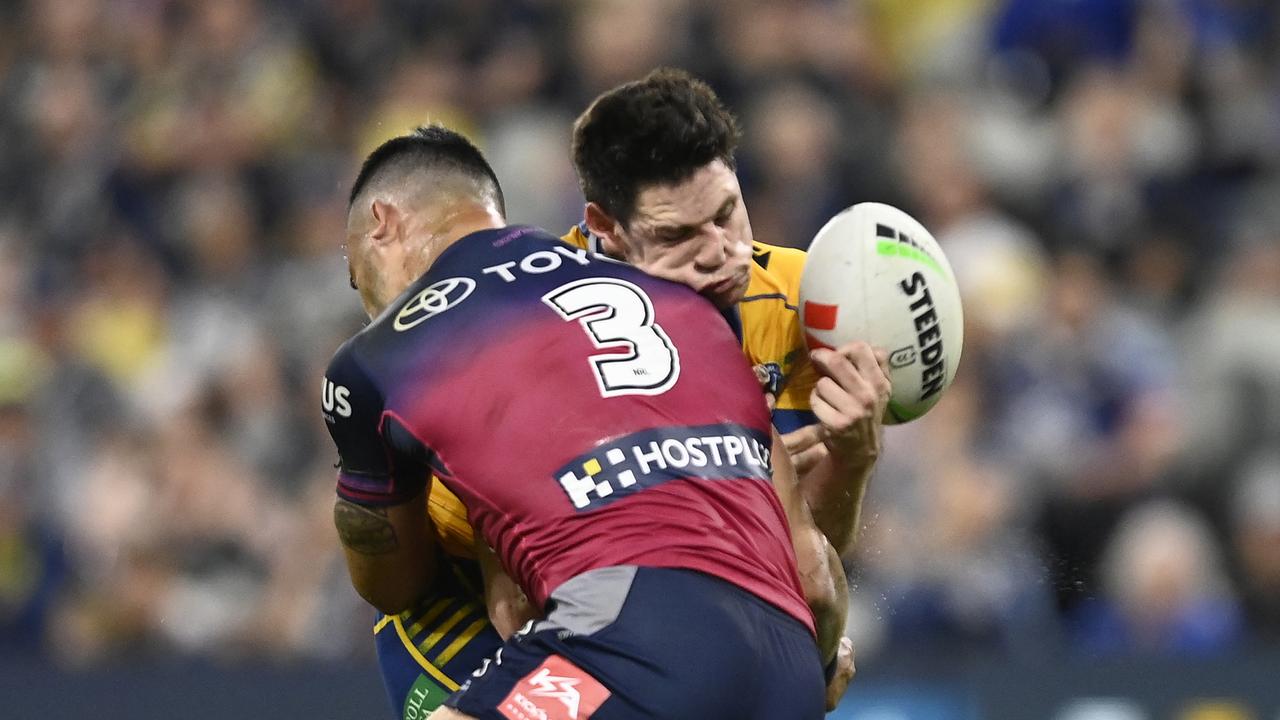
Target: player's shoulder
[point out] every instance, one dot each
(775, 270)
(588, 246)
(348, 371)
(344, 359)
(783, 255)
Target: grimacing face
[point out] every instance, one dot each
(695, 232)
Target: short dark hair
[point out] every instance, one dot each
(428, 148)
(657, 130)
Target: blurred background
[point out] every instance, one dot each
(1086, 527)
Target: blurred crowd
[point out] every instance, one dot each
(1103, 477)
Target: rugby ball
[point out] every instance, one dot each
(875, 274)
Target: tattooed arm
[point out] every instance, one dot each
(383, 474)
(390, 551)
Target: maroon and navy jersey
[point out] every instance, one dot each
(588, 415)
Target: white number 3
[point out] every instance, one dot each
(615, 312)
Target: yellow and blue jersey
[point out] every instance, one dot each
(772, 337)
(426, 653)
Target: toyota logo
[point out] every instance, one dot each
(432, 301)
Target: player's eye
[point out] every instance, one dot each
(726, 212)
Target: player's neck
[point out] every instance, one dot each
(612, 248)
(423, 246)
(454, 226)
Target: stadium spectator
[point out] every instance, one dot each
(1164, 589)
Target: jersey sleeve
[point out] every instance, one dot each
(378, 462)
(773, 338)
(449, 518)
(792, 409)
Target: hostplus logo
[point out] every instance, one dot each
(651, 457)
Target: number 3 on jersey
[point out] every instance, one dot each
(615, 312)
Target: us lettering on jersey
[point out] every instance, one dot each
(335, 398)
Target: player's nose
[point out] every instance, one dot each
(714, 248)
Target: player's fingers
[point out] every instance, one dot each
(798, 441)
(851, 436)
(839, 368)
(805, 460)
(882, 359)
(858, 402)
(871, 365)
(843, 675)
(860, 353)
(832, 364)
(842, 400)
(881, 381)
(867, 361)
(863, 361)
(831, 417)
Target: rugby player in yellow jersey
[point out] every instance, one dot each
(655, 159)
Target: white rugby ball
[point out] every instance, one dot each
(876, 274)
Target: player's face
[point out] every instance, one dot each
(695, 232)
(373, 264)
(363, 279)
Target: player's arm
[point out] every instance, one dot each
(821, 575)
(380, 513)
(509, 608)
(836, 457)
(390, 551)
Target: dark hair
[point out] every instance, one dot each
(428, 148)
(657, 130)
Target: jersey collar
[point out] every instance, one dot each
(593, 241)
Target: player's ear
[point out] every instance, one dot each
(607, 228)
(386, 221)
(599, 221)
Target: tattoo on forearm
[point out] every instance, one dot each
(364, 530)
